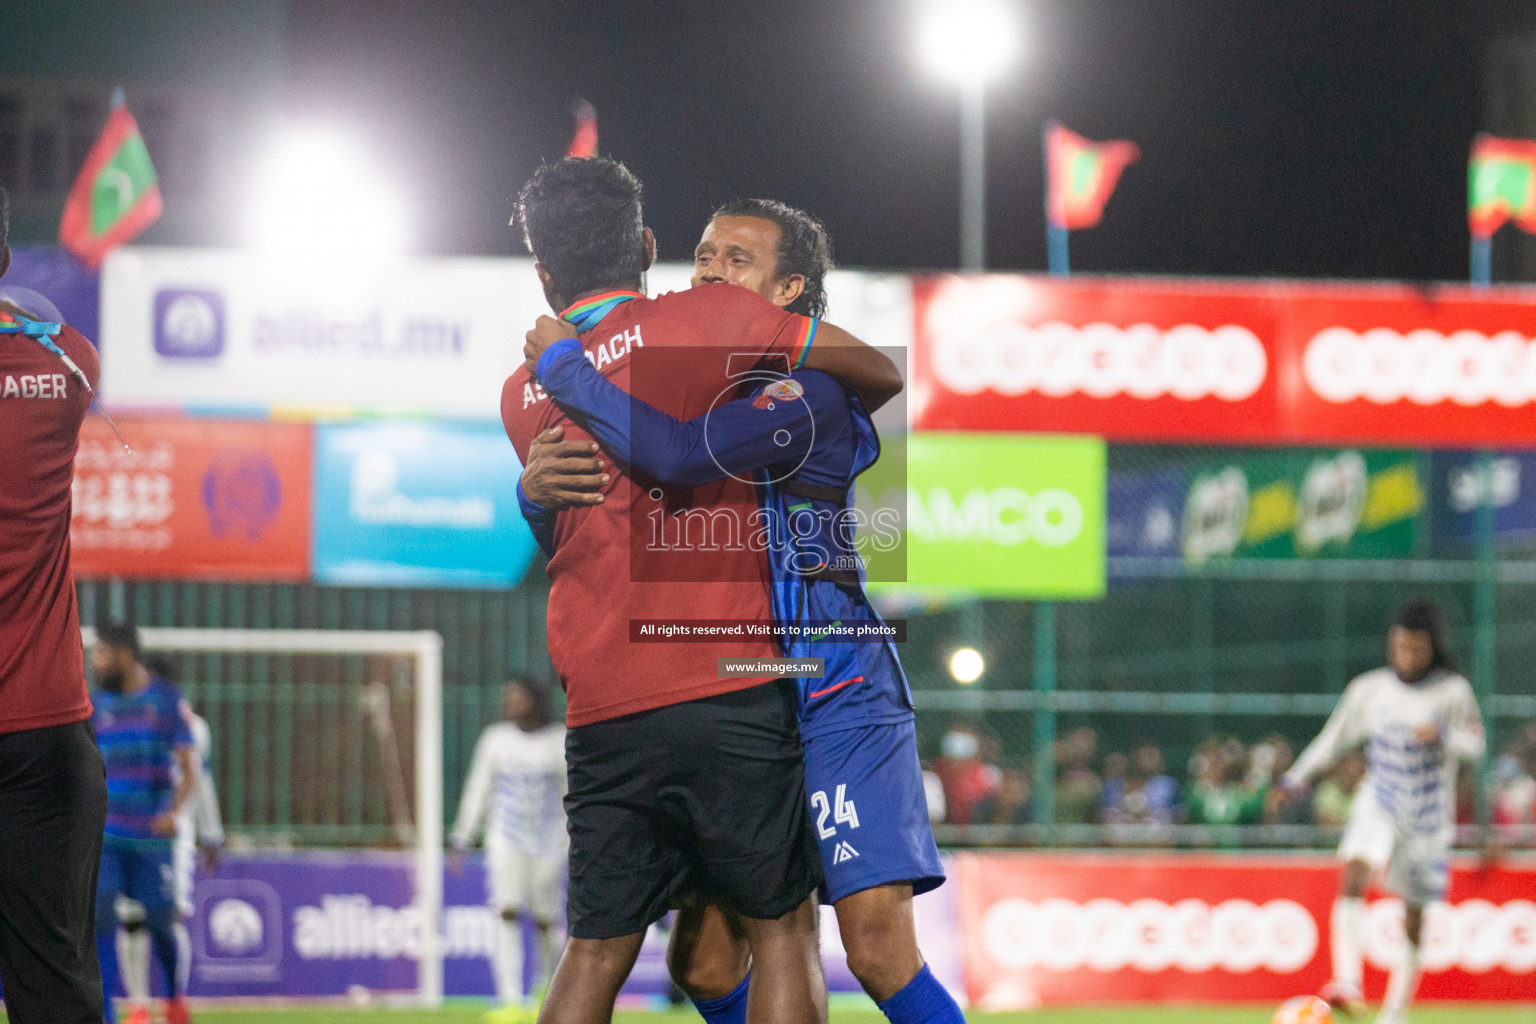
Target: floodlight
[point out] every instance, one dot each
(967, 40)
(966, 665)
(318, 194)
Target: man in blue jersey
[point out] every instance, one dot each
(804, 439)
(147, 747)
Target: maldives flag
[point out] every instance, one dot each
(1081, 175)
(584, 141)
(116, 195)
(1501, 185)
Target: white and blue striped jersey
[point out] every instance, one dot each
(1414, 782)
(516, 787)
(199, 820)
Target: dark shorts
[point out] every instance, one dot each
(53, 808)
(870, 810)
(707, 796)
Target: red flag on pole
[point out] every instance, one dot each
(116, 194)
(584, 141)
(1082, 175)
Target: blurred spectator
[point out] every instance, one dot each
(1269, 759)
(1012, 804)
(1221, 793)
(1077, 787)
(933, 790)
(1514, 790)
(967, 779)
(1145, 796)
(1336, 793)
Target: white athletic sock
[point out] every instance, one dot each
(1403, 982)
(1346, 936)
(183, 958)
(133, 964)
(507, 964)
(551, 942)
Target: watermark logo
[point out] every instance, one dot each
(189, 323)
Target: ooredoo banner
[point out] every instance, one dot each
(192, 498)
(1132, 928)
(1266, 362)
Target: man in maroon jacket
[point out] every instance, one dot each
(53, 794)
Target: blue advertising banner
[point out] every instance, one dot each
(418, 504)
(330, 923)
(1143, 512)
(1461, 486)
(65, 287)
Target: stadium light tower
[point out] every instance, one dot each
(317, 195)
(968, 42)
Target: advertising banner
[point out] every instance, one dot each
(418, 504)
(316, 924)
(1303, 504)
(1462, 486)
(1002, 515)
(1265, 362)
(192, 498)
(1144, 928)
(211, 330)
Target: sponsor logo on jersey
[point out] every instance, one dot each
(843, 852)
(778, 391)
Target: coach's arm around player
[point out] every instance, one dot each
(859, 366)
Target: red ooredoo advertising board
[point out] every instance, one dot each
(1212, 361)
(192, 498)
(1135, 927)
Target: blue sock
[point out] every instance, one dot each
(730, 1008)
(922, 1001)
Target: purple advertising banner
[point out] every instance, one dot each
(67, 289)
(325, 924)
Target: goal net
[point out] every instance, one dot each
(324, 738)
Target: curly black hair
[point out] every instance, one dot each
(1423, 616)
(582, 221)
(805, 248)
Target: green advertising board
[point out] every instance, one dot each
(1304, 504)
(1000, 515)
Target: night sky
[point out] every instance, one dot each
(1278, 138)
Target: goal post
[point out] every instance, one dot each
(425, 648)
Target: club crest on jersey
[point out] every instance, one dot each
(779, 391)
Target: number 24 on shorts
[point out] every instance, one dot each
(841, 810)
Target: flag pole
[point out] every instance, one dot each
(1055, 234)
(1482, 261)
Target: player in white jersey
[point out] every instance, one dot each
(1418, 720)
(199, 826)
(516, 787)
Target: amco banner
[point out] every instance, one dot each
(1003, 515)
(1296, 503)
(192, 498)
(418, 504)
(1047, 929)
(1247, 362)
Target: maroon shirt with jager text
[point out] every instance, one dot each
(42, 668)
